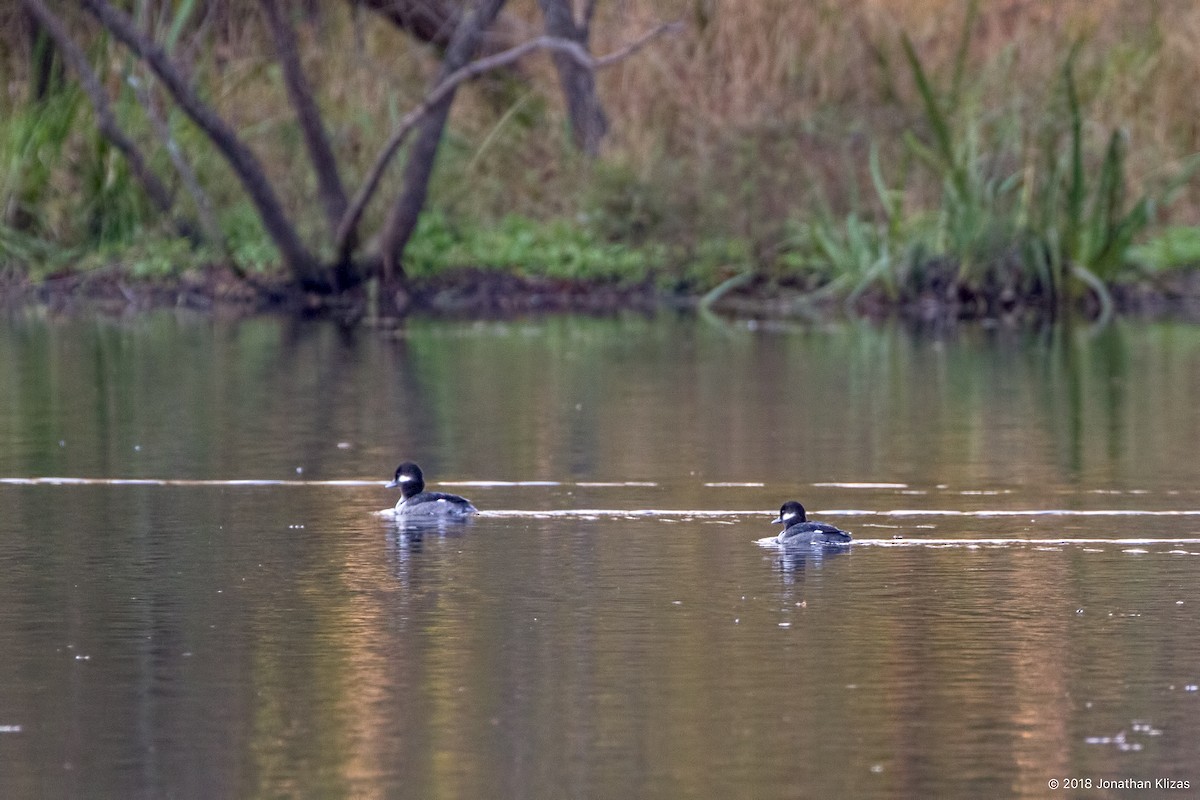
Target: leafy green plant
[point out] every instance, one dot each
(1075, 225)
(858, 253)
(857, 250)
(64, 189)
(246, 241)
(977, 217)
(1174, 247)
(556, 249)
(1083, 229)
(1098, 223)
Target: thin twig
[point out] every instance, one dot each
(475, 68)
(162, 129)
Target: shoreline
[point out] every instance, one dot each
(476, 293)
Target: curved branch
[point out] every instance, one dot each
(204, 207)
(241, 159)
(316, 139)
(1103, 296)
(401, 221)
(573, 49)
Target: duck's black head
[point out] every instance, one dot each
(790, 513)
(409, 479)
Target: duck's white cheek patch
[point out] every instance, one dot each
(790, 516)
(406, 479)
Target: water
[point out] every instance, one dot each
(210, 606)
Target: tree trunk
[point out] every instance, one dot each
(331, 192)
(435, 22)
(432, 21)
(402, 219)
(588, 121)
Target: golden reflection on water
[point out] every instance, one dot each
(608, 626)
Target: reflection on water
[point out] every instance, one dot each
(599, 400)
(407, 534)
(793, 561)
(201, 600)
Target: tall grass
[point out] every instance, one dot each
(33, 145)
(970, 111)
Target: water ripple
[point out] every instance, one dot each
(771, 541)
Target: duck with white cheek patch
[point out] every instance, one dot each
(416, 503)
(798, 530)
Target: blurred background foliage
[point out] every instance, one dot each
(896, 145)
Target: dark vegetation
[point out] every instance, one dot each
(987, 163)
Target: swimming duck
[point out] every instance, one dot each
(798, 530)
(416, 502)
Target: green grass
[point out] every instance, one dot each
(556, 249)
(1175, 247)
(33, 207)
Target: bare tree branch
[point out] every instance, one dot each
(329, 184)
(388, 151)
(242, 160)
(401, 220)
(600, 62)
(204, 207)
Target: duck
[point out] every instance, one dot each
(798, 530)
(415, 502)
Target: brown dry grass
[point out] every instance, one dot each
(758, 111)
(826, 71)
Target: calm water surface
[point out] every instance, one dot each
(1022, 602)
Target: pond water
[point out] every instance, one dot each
(199, 598)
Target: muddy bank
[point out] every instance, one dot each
(939, 298)
(462, 293)
(481, 293)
